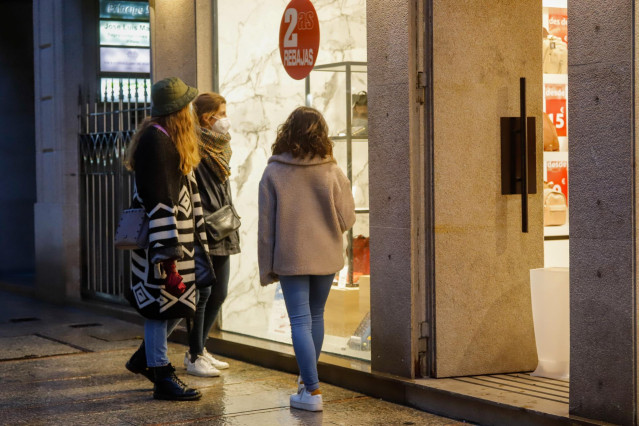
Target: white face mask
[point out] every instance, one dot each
(223, 125)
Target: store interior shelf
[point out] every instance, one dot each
(556, 231)
(344, 138)
(348, 112)
(353, 67)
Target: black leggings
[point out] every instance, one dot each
(210, 300)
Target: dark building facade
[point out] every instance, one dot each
(17, 147)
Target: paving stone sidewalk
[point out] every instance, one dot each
(63, 365)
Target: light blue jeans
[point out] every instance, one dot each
(305, 297)
(156, 332)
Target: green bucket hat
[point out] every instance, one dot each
(170, 95)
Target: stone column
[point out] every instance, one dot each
(392, 139)
(603, 285)
(64, 61)
(59, 61)
(182, 41)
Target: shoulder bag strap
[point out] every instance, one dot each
(225, 190)
(161, 129)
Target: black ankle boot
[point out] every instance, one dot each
(168, 386)
(137, 363)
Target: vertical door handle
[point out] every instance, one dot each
(523, 134)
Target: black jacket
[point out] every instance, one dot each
(214, 196)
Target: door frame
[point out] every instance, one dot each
(428, 316)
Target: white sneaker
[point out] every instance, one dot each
(303, 400)
(220, 365)
(300, 384)
(201, 367)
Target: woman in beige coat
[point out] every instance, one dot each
(305, 205)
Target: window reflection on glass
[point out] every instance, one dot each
(261, 95)
(346, 318)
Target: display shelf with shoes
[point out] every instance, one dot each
(339, 91)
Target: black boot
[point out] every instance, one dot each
(137, 363)
(168, 386)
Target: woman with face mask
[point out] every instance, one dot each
(212, 175)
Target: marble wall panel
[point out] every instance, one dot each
(260, 96)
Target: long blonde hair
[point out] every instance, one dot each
(180, 126)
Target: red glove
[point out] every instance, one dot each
(173, 283)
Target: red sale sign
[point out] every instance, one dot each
(299, 38)
(556, 106)
(557, 176)
(558, 23)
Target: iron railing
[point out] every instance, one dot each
(106, 125)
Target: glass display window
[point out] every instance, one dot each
(555, 131)
(339, 89)
(260, 95)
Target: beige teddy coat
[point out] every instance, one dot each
(305, 206)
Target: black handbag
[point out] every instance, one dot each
(222, 222)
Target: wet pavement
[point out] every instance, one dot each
(63, 365)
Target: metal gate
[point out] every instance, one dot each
(105, 130)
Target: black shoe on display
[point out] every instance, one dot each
(137, 364)
(168, 386)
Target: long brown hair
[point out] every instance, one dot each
(207, 102)
(303, 133)
(180, 126)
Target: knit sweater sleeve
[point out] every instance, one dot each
(344, 202)
(158, 179)
(266, 231)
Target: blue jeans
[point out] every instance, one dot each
(210, 299)
(305, 297)
(156, 332)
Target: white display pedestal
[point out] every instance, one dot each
(551, 317)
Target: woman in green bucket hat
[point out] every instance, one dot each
(163, 154)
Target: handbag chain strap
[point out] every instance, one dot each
(227, 194)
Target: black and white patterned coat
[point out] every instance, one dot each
(172, 202)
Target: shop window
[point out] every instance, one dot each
(347, 318)
(555, 131)
(260, 95)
